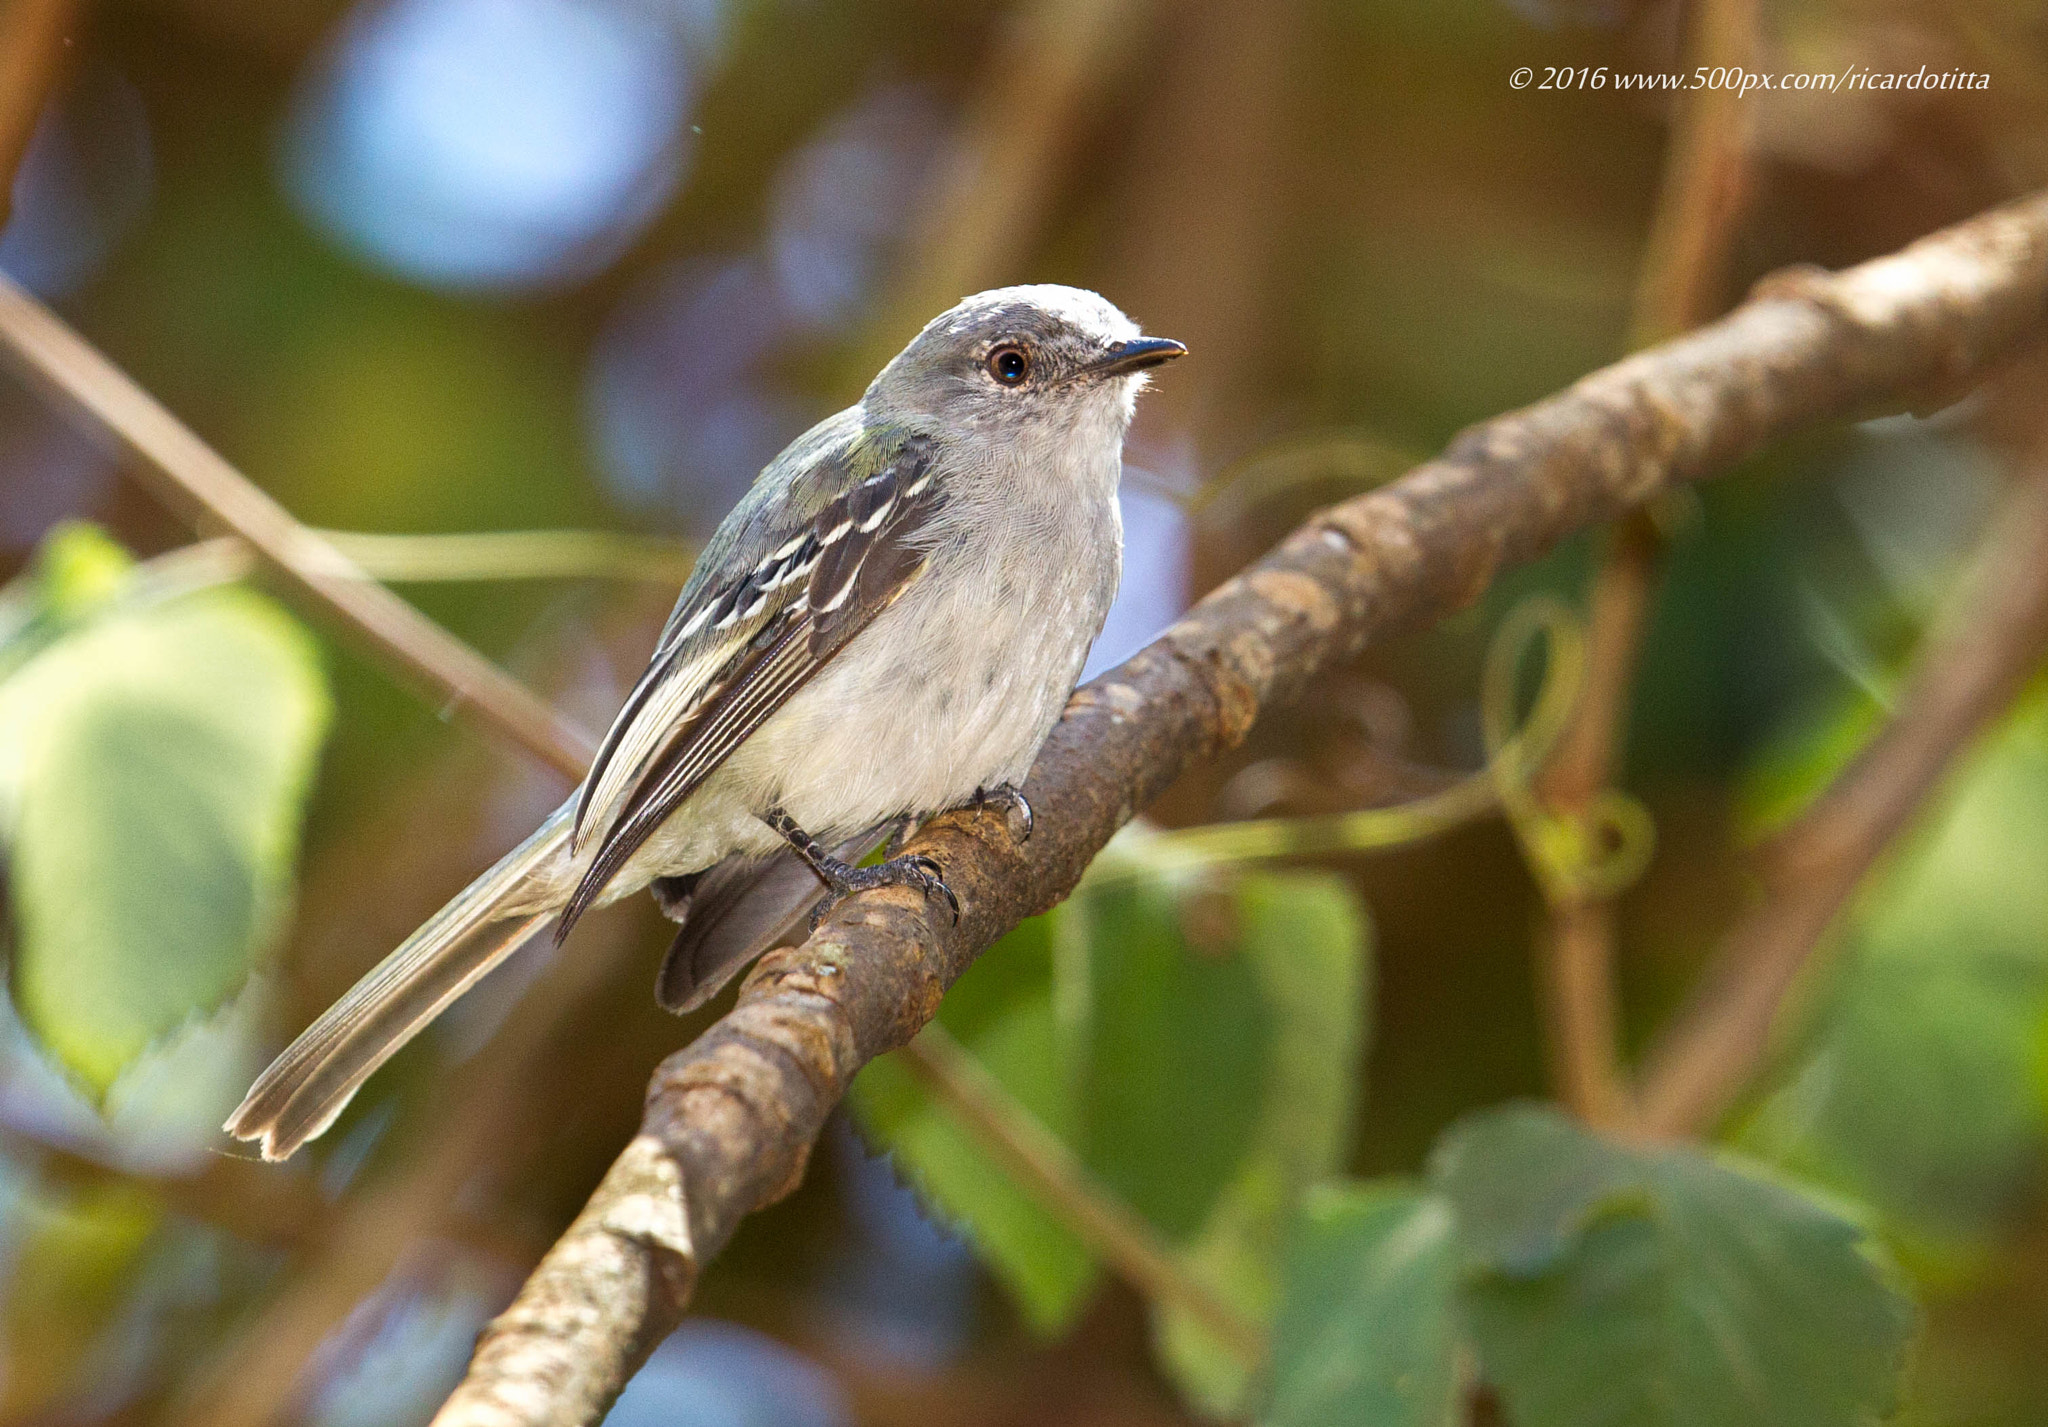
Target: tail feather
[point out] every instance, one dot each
(305, 1088)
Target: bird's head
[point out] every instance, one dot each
(1023, 364)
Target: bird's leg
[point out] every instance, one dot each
(898, 835)
(844, 879)
(1017, 814)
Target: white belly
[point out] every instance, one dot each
(946, 692)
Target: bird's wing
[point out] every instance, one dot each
(737, 910)
(746, 638)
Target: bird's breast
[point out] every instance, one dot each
(951, 689)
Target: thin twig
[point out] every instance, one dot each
(480, 556)
(1503, 784)
(1681, 283)
(1050, 1172)
(1706, 184)
(1990, 635)
(995, 180)
(473, 1122)
(730, 1120)
(192, 476)
(514, 555)
(1577, 967)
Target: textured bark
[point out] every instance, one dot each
(730, 1119)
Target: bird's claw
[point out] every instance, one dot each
(1017, 813)
(917, 871)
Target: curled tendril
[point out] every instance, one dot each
(1596, 855)
(1574, 857)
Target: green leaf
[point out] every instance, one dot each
(153, 766)
(73, 1258)
(1799, 763)
(1308, 944)
(1367, 1333)
(80, 570)
(1918, 1090)
(1639, 1287)
(1253, 1023)
(1001, 1010)
(1177, 1039)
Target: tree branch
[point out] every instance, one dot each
(1988, 639)
(731, 1118)
(194, 478)
(1706, 181)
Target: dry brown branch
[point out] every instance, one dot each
(1989, 637)
(730, 1119)
(1684, 269)
(194, 478)
(1055, 1176)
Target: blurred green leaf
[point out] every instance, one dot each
(153, 766)
(1626, 1286)
(1918, 1090)
(78, 571)
(1001, 1010)
(1799, 763)
(1307, 942)
(1367, 1332)
(1175, 1006)
(1177, 1040)
(73, 1258)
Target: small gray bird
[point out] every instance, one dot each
(885, 627)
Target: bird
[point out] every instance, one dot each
(885, 627)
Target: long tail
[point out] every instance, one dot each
(306, 1087)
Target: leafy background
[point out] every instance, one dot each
(427, 267)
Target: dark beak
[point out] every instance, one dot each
(1135, 355)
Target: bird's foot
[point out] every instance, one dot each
(919, 872)
(1016, 808)
(844, 879)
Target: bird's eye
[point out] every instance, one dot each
(1009, 364)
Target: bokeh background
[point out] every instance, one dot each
(431, 266)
